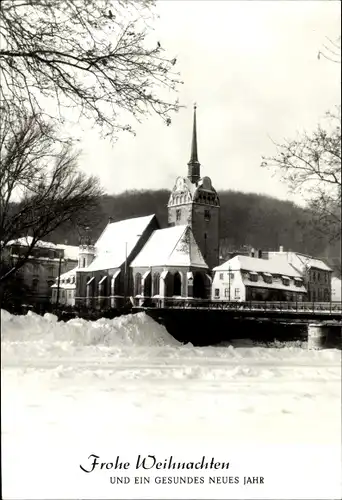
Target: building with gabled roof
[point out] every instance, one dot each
(171, 265)
(244, 278)
(104, 277)
(64, 290)
(46, 261)
(315, 272)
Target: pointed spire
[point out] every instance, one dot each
(194, 165)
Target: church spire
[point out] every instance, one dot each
(194, 164)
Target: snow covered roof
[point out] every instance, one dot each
(70, 252)
(173, 246)
(277, 266)
(26, 241)
(69, 275)
(300, 261)
(310, 262)
(275, 285)
(116, 242)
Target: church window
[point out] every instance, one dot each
(217, 293)
(206, 214)
(138, 284)
(156, 283)
(178, 214)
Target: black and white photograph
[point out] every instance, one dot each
(170, 266)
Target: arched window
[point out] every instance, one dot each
(177, 284)
(156, 283)
(137, 286)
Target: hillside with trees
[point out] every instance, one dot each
(247, 220)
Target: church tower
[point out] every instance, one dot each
(194, 201)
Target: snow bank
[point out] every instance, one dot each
(131, 330)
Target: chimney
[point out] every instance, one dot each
(281, 248)
(259, 254)
(110, 220)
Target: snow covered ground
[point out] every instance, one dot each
(125, 387)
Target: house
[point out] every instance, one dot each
(336, 288)
(315, 273)
(103, 276)
(43, 266)
(64, 289)
(245, 278)
(170, 265)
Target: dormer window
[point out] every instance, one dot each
(298, 282)
(267, 277)
(253, 276)
(285, 280)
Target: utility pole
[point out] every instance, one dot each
(58, 280)
(229, 283)
(125, 274)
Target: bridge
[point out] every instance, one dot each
(304, 310)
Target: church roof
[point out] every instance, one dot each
(170, 247)
(117, 242)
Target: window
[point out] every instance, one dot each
(314, 276)
(206, 214)
(298, 282)
(156, 283)
(267, 278)
(318, 276)
(221, 276)
(252, 276)
(178, 214)
(51, 271)
(237, 293)
(138, 284)
(286, 281)
(226, 293)
(217, 293)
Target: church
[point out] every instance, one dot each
(136, 259)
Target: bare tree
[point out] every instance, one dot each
(311, 165)
(94, 58)
(331, 50)
(40, 185)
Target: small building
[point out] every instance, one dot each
(103, 276)
(315, 273)
(171, 265)
(336, 289)
(42, 267)
(64, 290)
(245, 278)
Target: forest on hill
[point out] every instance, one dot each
(247, 220)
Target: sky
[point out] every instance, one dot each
(252, 68)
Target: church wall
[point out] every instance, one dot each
(206, 232)
(184, 217)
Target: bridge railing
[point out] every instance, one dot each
(192, 303)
